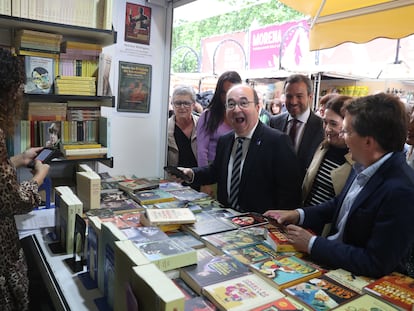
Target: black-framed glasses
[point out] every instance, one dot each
(180, 103)
(242, 103)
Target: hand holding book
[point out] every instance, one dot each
(180, 174)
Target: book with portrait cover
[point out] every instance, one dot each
(168, 254)
(242, 293)
(212, 269)
(321, 293)
(246, 220)
(285, 271)
(227, 240)
(395, 288)
(40, 74)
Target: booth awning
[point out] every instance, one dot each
(338, 21)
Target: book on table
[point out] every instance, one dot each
(212, 269)
(227, 240)
(366, 302)
(88, 189)
(252, 253)
(242, 293)
(246, 220)
(153, 196)
(167, 216)
(137, 184)
(187, 238)
(280, 304)
(321, 293)
(154, 290)
(284, 271)
(277, 239)
(395, 288)
(349, 279)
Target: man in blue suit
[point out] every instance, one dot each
(268, 175)
(372, 219)
(308, 127)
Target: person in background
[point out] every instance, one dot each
(244, 182)
(182, 138)
(15, 198)
(372, 231)
(274, 106)
(213, 123)
(264, 115)
(322, 104)
(54, 136)
(300, 123)
(332, 163)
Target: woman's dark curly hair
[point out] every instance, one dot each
(12, 79)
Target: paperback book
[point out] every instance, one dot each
(208, 224)
(321, 293)
(137, 184)
(153, 196)
(395, 288)
(166, 216)
(212, 269)
(246, 220)
(242, 293)
(285, 271)
(348, 279)
(366, 302)
(252, 253)
(277, 239)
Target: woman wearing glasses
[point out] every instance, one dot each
(182, 144)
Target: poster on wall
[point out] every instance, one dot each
(134, 87)
(137, 23)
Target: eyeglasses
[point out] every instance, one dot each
(243, 103)
(182, 104)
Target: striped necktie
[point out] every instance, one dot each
(235, 175)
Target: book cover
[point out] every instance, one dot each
(186, 238)
(187, 194)
(127, 256)
(276, 238)
(321, 293)
(212, 269)
(348, 279)
(285, 271)
(231, 239)
(208, 224)
(70, 205)
(188, 292)
(118, 202)
(145, 234)
(168, 254)
(168, 216)
(395, 288)
(366, 302)
(137, 23)
(281, 304)
(40, 74)
(246, 220)
(252, 253)
(199, 304)
(242, 293)
(137, 184)
(147, 197)
(154, 290)
(88, 188)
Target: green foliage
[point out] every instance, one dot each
(189, 34)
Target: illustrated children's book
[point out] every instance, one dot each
(366, 302)
(321, 293)
(285, 271)
(242, 293)
(252, 253)
(348, 279)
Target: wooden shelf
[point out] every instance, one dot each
(108, 101)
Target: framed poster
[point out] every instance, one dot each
(134, 87)
(137, 23)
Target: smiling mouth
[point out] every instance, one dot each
(239, 119)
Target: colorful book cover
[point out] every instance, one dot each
(348, 279)
(40, 74)
(281, 304)
(231, 239)
(253, 253)
(187, 194)
(137, 184)
(366, 302)
(242, 293)
(285, 271)
(147, 197)
(276, 238)
(247, 220)
(321, 293)
(395, 288)
(212, 269)
(199, 304)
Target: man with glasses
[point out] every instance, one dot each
(182, 139)
(255, 167)
(372, 219)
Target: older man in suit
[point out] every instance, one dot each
(372, 218)
(303, 126)
(255, 166)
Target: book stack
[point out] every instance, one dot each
(79, 58)
(31, 40)
(75, 85)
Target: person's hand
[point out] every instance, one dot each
(283, 217)
(299, 237)
(24, 158)
(207, 189)
(40, 172)
(186, 171)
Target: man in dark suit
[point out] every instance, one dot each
(300, 121)
(268, 174)
(372, 219)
